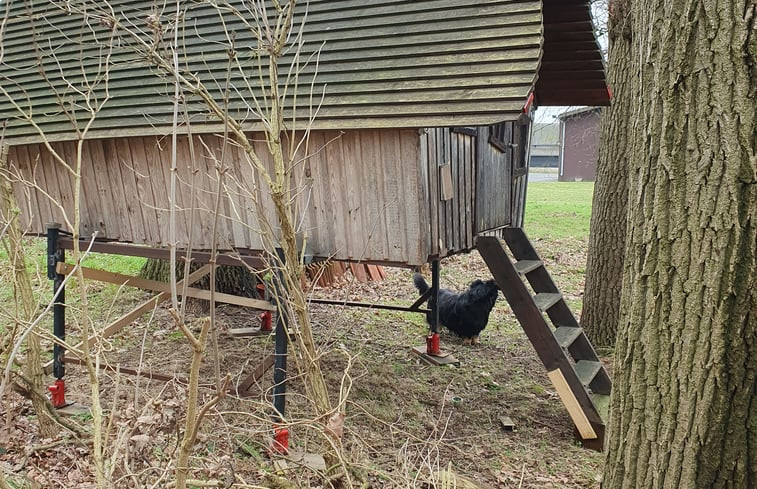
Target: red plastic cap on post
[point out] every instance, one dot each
(280, 443)
(58, 393)
(432, 344)
(266, 322)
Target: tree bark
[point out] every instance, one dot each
(604, 265)
(229, 280)
(683, 405)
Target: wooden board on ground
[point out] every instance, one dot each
(128, 371)
(260, 370)
(296, 459)
(507, 423)
(73, 409)
(248, 332)
(445, 359)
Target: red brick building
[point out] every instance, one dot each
(579, 144)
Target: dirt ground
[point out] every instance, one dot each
(405, 421)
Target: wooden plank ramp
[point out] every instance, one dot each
(572, 365)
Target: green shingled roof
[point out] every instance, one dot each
(383, 63)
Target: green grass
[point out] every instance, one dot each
(36, 255)
(557, 210)
(36, 249)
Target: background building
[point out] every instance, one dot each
(545, 145)
(579, 139)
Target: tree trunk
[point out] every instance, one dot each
(26, 306)
(604, 266)
(683, 405)
(229, 280)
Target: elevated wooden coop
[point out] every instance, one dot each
(418, 145)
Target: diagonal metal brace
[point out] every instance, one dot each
(423, 298)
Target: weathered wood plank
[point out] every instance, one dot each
(151, 215)
(457, 208)
(380, 224)
(163, 155)
(425, 208)
(36, 176)
(470, 196)
(128, 371)
(415, 198)
(120, 279)
(123, 192)
(313, 200)
(110, 218)
(133, 204)
(48, 168)
(449, 206)
(394, 200)
(353, 173)
(92, 196)
(336, 192)
(25, 197)
(433, 192)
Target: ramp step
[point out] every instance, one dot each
(601, 404)
(586, 370)
(525, 266)
(545, 300)
(566, 335)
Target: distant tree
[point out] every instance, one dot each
(683, 406)
(604, 267)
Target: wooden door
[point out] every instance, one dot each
(493, 177)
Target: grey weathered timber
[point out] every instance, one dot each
(126, 198)
(418, 146)
(380, 64)
(494, 169)
(385, 63)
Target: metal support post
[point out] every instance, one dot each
(54, 256)
(432, 341)
(281, 433)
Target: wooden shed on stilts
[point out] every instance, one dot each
(417, 116)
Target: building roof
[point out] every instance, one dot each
(545, 139)
(544, 133)
(384, 63)
(577, 112)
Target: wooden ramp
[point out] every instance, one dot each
(572, 364)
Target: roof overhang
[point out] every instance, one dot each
(572, 70)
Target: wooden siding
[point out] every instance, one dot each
(384, 63)
(361, 193)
